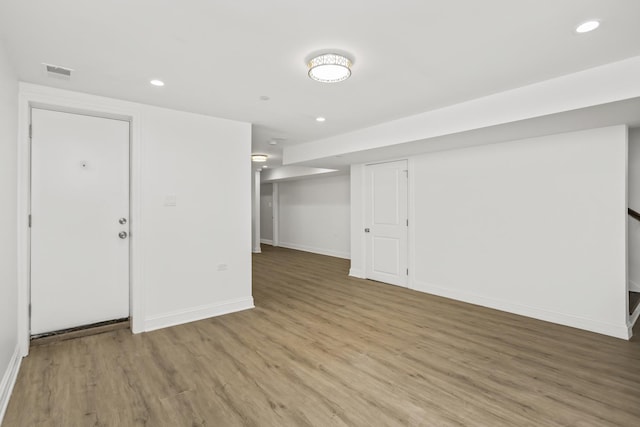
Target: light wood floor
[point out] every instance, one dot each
(323, 349)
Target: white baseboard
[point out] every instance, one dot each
(257, 250)
(197, 313)
(617, 331)
(266, 242)
(633, 286)
(356, 272)
(9, 380)
(320, 251)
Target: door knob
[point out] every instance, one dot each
(122, 234)
(122, 221)
(366, 230)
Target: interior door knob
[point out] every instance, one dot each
(122, 234)
(122, 221)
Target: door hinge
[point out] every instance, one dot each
(30, 131)
(407, 222)
(29, 220)
(29, 310)
(407, 271)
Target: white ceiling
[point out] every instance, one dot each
(219, 57)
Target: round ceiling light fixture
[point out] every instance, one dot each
(157, 82)
(329, 68)
(260, 158)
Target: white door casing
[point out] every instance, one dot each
(386, 223)
(79, 192)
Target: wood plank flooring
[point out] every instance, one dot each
(323, 349)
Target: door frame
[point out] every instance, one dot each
(358, 266)
(366, 195)
(35, 96)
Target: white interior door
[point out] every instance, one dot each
(79, 208)
(386, 222)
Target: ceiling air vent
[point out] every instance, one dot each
(57, 72)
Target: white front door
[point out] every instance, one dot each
(80, 220)
(386, 222)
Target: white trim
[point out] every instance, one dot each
(633, 286)
(320, 251)
(356, 272)
(266, 241)
(411, 215)
(255, 205)
(617, 331)
(30, 94)
(197, 313)
(9, 380)
(275, 195)
(632, 320)
(362, 219)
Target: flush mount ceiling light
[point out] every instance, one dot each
(157, 82)
(585, 27)
(260, 158)
(329, 68)
(320, 119)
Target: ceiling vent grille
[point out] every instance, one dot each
(57, 72)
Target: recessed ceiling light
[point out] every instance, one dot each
(265, 166)
(273, 142)
(329, 68)
(156, 82)
(260, 158)
(320, 119)
(585, 27)
(264, 98)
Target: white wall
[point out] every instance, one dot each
(535, 227)
(314, 215)
(192, 260)
(197, 259)
(8, 229)
(634, 203)
(357, 237)
(266, 213)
